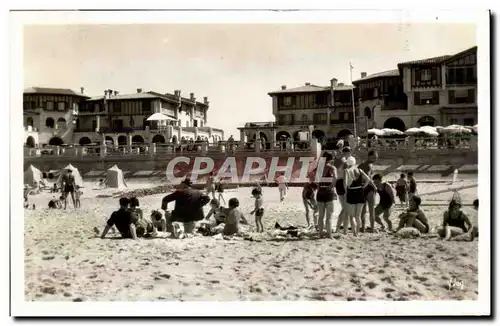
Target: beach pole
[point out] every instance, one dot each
(449, 190)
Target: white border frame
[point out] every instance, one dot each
(282, 308)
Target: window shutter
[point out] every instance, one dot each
(418, 75)
(471, 96)
(416, 98)
(434, 74)
(280, 101)
(435, 97)
(294, 98)
(451, 97)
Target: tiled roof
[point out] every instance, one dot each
(388, 73)
(428, 61)
(312, 88)
(52, 91)
(453, 57)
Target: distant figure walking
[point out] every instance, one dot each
(282, 186)
(211, 185)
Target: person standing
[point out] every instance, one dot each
(282, 186)
(386, 201)
(339, 164)
(369, 192)
(211, 185)
(309, 200)
(188, 205)
(412, 191)
(325, 196)
(68, 187)
(355, 180)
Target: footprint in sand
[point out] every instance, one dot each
(389, 290)
(371, 285)
(214, 281)
(48, 257)
(67, 294)
(78, 300)
(420, 278)
(92, 276)
(163, 276)
(49, 290)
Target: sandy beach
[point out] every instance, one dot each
(64, 261)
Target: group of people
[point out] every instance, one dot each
(354, 186)
(68, 188)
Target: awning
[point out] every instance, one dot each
(159, 117)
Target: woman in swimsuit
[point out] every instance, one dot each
(339, 164)
(456, 224)
(355, 180)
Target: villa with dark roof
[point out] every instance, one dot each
(434, 91)
(57, 116)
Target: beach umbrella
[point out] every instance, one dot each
(455, 129)
(157, 117)
(413, 131)
(392, 132)
(376, 132)
(474, 128)
(430, 131)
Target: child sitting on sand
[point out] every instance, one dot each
(219, 213)
(56, 204)
(414, 217)
(456, 225)
(122, 219)
(234, 217)
(258, 210)
(159, 221)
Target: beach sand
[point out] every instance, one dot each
(64, 261)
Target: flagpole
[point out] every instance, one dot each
(353, 106)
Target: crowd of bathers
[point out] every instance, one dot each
(355, 188)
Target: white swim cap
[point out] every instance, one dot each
(350, 161)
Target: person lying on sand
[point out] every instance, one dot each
(233, 218)
(258, 210)
(56, 204)
(414, 217)
(123, 221)
(456, 225)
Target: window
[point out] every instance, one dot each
(321, 98)
(468, 121)
(462, 96)
(61, 106)
(49, 105)
(96, 107)
(319, 118)
(94, 125)
(453, 121)
(187, 123)
(288, 101)
(426, 98)
(195, 123)
(425, 75)
(117, 107)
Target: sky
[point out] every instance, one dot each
(235, 66)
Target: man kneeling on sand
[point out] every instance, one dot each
(414, 217)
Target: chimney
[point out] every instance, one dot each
(333, 82)
(283, 87)
(139, 90)
(308, 84)
(116, 93)
(105, 93)
(363, 74)
(205, 100)
(82, 90)
(110, 92)
(191, 97)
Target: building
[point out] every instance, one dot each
(49, 115)
(122, 119)
(381, 97)
(307, 108)
(434, 91)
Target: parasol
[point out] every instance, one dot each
(158, 117)
(376, 132)
(391, 132)
(429, 130)
(455, 129)
(413, 131)
(474, 128)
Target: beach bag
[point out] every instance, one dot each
(408, 233)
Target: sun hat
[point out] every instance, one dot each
(350, 161)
